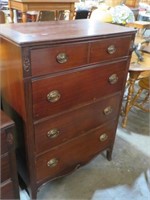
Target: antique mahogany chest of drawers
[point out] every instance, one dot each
(9, 180)
(62, 83)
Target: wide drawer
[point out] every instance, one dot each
(65, 158)
(59, 93)
(72, 124)
(5, 168)
(108, 49)
(58, 58)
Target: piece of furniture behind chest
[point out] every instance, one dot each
(9, 179)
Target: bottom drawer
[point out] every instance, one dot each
(74, 153)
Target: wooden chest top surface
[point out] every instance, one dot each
(27, 33)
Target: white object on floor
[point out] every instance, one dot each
(140, 190)
(135, 139)
(24, 195)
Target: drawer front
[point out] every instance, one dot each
(59, 129)
(4, 146)
(7, 140)
(108, 49)
(79, 151)
(5, 169)
(7, 190)
(60, 93)
(59, 58)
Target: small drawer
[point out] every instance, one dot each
(58, 58)
(108, 49)
(75, 153)
(58, 130)
(60, 93)
(5, 168)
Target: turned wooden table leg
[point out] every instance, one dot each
(33, 18)
(24, 17)
(133, 77)
(71, 15)
(12, 15)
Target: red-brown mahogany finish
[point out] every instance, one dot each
(62, 83)
(9, 180)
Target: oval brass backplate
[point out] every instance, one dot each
(53, 133)
(52, 163)
(108, 110)
(113, 79)
(111, 49)
(103, 137)
(53, 96)
(62, 58)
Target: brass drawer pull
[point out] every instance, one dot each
(62, 58)
(111, 49)
(113, 79)
(52, 163)
(53, 96)
(53, 133)
(103, 137)
(108, 110)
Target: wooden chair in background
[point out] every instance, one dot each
(138, 71)
(46, 16)
(82, 14)
(144, 88)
